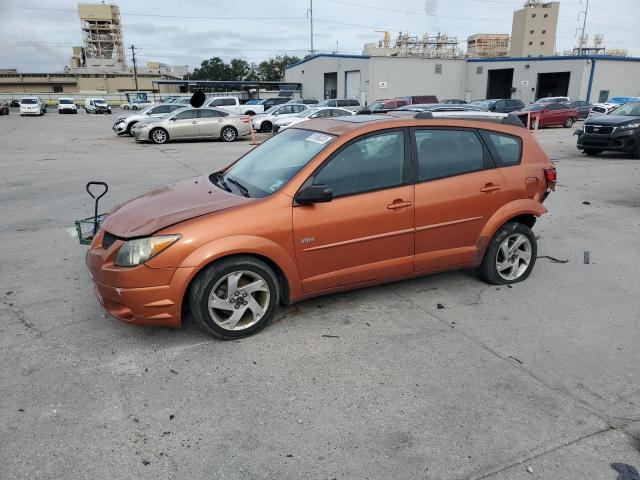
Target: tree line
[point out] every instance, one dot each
(237, 69)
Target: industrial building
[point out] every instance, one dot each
(488, 45)
(533, 32)
(368, 78)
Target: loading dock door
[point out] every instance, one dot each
(499, 83)
(330, 85)
(352, 84)
(554, 84)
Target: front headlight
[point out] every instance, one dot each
(135, 252)
(630, 126)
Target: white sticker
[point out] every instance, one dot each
(276, 185)
(320, 138)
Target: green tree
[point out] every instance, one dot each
(273, 68)
(213, 69)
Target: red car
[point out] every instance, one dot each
(549, 114)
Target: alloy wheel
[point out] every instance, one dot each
(239, 300)
(513, 257)
(159, 136)
(228, 134)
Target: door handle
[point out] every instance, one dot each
(490, 187)
(194, 122)
(398, 204)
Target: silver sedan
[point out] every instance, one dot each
(190, 123)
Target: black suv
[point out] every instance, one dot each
(618, 131)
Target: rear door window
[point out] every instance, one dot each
(187, 114)
(447, 152)
(505, 149)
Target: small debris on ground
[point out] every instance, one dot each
(517, 359)
(9, 292)
(289, 455)
(173, 371)
(440, 306)
(171, 417)
(586, 203)
(529, 469)
(145, 462)
(553, 259)
(331, 336)
(586, 257)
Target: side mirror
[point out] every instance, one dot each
(314, 194)
(172, 119)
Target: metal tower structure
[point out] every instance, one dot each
(102, 35)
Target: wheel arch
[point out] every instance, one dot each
(523, 211)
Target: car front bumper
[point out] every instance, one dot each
(141, 134)
(139, 295)
(30, 112)
(67, 110)
(119, 128)
(618, 141)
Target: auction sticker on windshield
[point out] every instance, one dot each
(320, 138)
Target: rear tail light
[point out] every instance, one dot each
(245, 118)
(551, 175)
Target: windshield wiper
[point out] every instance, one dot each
(218, 180)
(241, 187)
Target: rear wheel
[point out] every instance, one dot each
(568, 122)
(590, 151)
(125, 107)
(510, 256)
(134, 108)
(229, 134)
(159, 136)
(266, 127)
(234, 297)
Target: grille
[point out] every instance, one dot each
(108, 240)
(598, 129)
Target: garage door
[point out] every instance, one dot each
(353, 84)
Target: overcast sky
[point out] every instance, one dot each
(37, 35)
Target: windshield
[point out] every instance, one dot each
(628, 110)
(272, 109)
(484, 103)
(268, 167)
(533, 108)
(307, 113)
(377, 106)
(28, 101)
(99, 101)
(65, 101)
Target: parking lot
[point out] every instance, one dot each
(442, 377)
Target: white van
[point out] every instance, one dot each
(32, 106)
(67, 105)
(96, 105)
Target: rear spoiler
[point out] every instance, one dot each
(504, 118)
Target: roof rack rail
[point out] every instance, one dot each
(505, 118)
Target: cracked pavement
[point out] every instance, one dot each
(440, 377)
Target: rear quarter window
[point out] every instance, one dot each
(505, 149)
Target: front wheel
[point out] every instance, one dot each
(129, 127)
(266, 127)
(159, 136)
(134, 108)
(229, 134)
(510, 256)
(125, 107)
(234, 297)
(568, 122)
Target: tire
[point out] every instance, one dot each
(266, 127)
(212, 285)
(592, 152)
(510, 256)
(228, 134)
(125, 107)
(159, 136)
(134, 108)
(568, 122)
(129, 127)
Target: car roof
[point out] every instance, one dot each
(363, 123)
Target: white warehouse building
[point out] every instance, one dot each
(368, 78)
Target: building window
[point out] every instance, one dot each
(531, 31)
(530, 43)
(57, 88)
(533, 15)
(478, 70)
(546, 15)
(544, 31)
(541, 43)
(438, 68)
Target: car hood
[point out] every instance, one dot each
(613, 120)
(136, 116)
(168, 205)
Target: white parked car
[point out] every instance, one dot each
(32, 106)
(124, 124)
(137, 104)
(67, 105)
(96, 105)
(317, 112)
(233, 105)
(264, 122)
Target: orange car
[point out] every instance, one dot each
(331, 205)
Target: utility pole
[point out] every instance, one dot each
(135, 69)
(584, 26)
(310, 17)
